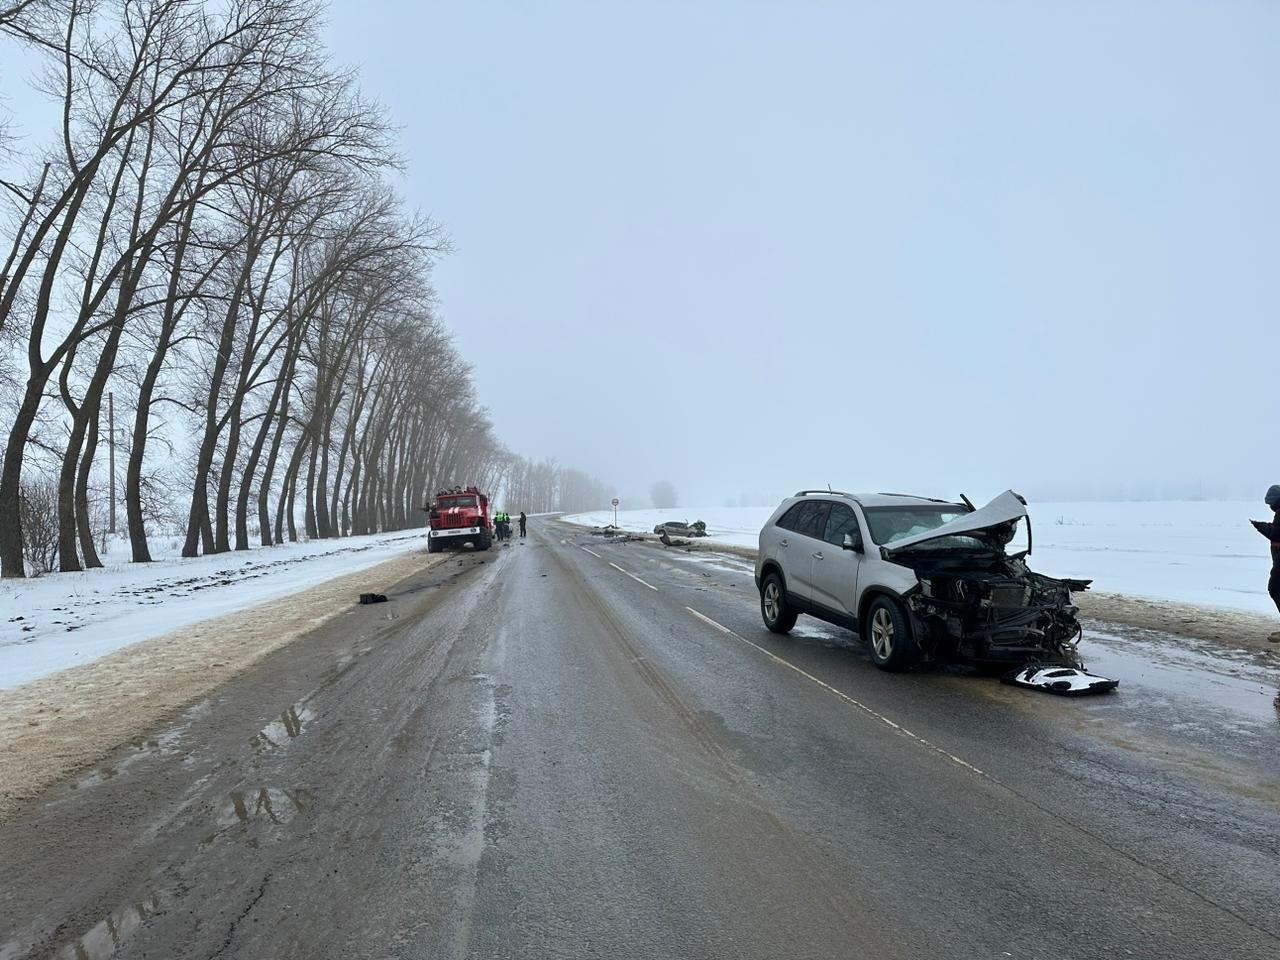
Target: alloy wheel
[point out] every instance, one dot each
(772, 601)
(882, 633)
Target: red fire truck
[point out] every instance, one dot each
(459, 516)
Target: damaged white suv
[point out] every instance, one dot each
(921, 579)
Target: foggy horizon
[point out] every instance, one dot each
(749, 249)
(1045, 231)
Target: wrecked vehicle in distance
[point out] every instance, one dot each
(678, 528)
(920, 579)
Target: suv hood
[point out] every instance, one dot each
(1008, 506)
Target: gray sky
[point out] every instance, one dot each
(925, 246)
(755, 246)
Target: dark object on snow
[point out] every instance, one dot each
(1064, 681)
(681, 529)
(373, 598)
(614, 534)
(1272, 532)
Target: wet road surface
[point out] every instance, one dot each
(584, 749)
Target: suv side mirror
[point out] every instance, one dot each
(851, 544)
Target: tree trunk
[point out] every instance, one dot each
(310, 513)
(199, 526)
(221, 543)
(11, 559)
(251, 468)
(264, 486)
(285, 504)
(84, 521)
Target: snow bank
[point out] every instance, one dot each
(1192, 552)
(61, 620)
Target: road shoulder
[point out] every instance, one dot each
(58, 724)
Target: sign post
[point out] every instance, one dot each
(615, 511)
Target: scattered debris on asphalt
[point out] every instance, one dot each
(612, 534)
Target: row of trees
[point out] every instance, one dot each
(544, 487)
(214, 241)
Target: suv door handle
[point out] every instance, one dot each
(817, 556)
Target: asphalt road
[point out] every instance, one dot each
(581, 749)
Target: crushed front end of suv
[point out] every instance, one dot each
(920, 579)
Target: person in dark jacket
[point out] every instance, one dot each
(523, 520)
(1272, 532)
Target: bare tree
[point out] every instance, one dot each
(211, 236)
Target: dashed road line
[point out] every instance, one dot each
(1025, 798)
(845, 697)
(592, 552)
(632, 576)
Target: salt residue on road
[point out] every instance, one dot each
(1200, 552)
(61, 620)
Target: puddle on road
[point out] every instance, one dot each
(163, 744)
(265, 805)
(722, 563)
(802, 629)
(288, 726)
(100, 941)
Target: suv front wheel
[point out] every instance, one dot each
(774, 609)
(889, 637)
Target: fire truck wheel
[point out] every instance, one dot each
(433, 545)
(484, 541)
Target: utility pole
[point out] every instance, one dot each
(111, 456)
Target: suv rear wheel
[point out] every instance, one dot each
(889, 637)
(774, 609)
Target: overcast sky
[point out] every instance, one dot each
(936, 246)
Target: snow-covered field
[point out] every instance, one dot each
(61, 620)
(1194, 552)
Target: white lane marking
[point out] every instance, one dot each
(844, 696)
(719, 626)
(632, 576)
(592, 552)
(1065, 821)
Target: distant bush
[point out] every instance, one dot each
(663, 495)
(38, 514)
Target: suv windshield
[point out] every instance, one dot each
(889, 524)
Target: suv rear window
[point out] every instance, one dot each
(808, 518)
(788, 520)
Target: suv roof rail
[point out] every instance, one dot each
(833, 493)
(914, 496)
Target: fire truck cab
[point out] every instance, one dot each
(459, 516)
